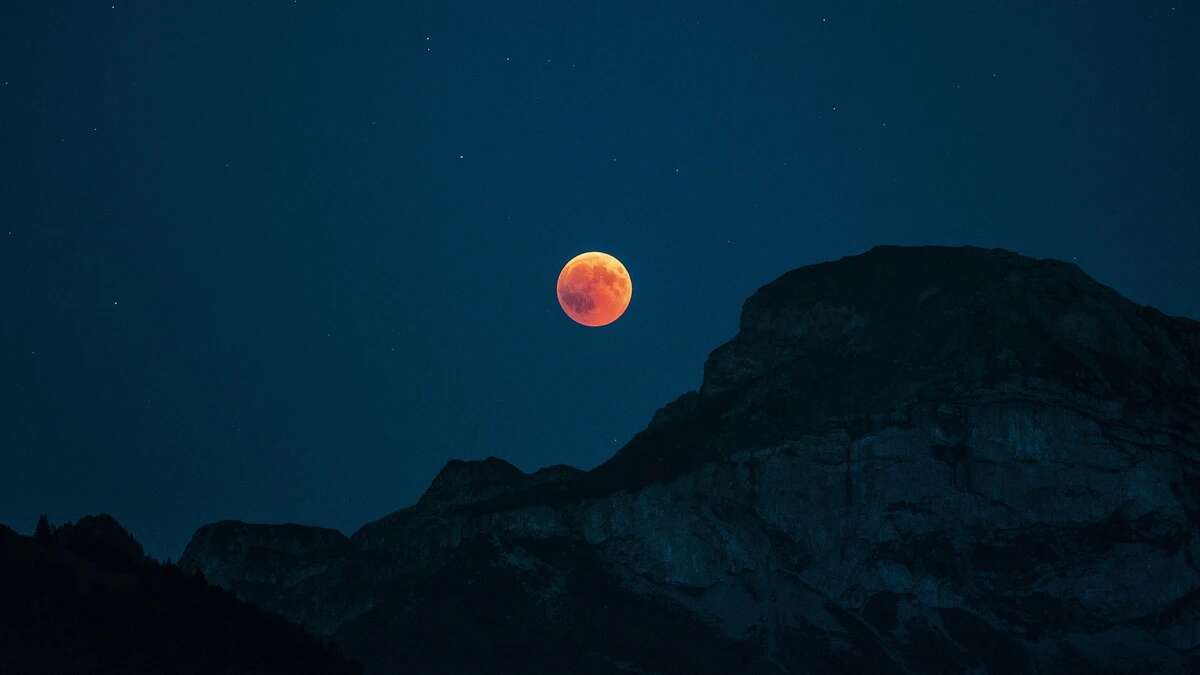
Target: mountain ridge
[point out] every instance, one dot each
(926, 459)
(83, 597)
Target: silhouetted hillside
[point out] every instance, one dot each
(83, 598)
(915, 460)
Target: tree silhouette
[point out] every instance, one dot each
(42, 533)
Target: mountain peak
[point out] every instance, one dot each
(102, 539)
(464, 481)
(868, 333)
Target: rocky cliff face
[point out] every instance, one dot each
(915, 460)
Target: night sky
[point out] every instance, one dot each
(280, 261)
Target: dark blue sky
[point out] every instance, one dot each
(279, 261)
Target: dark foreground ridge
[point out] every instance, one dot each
(915, 460)
(83, 598)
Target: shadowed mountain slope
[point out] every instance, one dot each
(83, 598)
(933, 460)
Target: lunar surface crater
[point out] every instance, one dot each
(594, 289)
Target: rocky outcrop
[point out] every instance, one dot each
(933, 460)
(257, 562)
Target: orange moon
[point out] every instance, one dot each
(594, 288)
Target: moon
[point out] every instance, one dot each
(594, 289)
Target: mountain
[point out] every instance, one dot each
(83, 598)
(914, 460)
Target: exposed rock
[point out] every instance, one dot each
(460, 483)
(915, 460)
(259, 561)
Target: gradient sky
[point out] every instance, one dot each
(280, 261)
